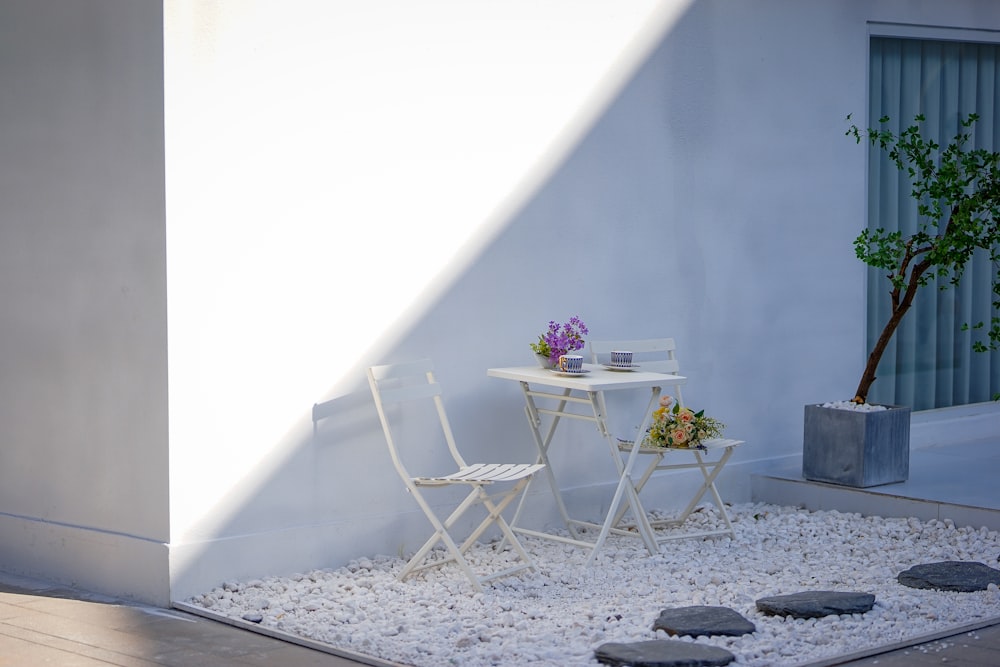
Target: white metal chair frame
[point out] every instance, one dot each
(659, 355)
(395, 383)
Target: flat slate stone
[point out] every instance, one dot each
(950, 575)
(816, 604)
(701, 620)
(662, 653)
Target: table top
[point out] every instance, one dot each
(598, 379)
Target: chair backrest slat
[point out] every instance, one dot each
(392, 395)
(395, 383)
(643, 345)
(657, 355)
(402, 370)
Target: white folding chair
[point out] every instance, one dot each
(397, 383)
(658, 355)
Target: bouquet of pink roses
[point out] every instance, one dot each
(680, 427)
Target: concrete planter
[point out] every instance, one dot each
(858, 449)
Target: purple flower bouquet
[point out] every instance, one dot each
(560, 339)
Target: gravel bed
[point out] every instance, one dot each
(558, 615)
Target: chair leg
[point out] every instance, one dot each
(441, 534)
(709, 485)
(715, 492)
(494, 515)
(650, 469)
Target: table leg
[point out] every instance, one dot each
(625, 486)
(542, 444)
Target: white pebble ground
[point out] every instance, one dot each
(560, 613)
(856, 407)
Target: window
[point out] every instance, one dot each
(930, 363)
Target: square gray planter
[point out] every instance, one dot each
(853, 448)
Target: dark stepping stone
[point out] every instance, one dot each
(816, 604)
(700, 620)
(950, 575)
(662, 653)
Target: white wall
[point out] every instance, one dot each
(356, 183)
(83, 393)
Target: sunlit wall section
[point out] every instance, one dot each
(330, 166)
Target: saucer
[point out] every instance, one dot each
(569, 373)
(623, 369)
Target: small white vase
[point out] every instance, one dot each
(544, 361)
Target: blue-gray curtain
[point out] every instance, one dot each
(930, 363)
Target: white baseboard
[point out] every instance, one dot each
(117, 565)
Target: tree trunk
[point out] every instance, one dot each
(868, 377)
(899, 309)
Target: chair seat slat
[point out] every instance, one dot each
(713, 443)
(487, 472)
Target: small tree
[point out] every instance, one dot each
(958, 203)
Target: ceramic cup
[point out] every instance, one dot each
(621, 358)
(571, 363)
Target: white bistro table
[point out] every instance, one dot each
(564, 392)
